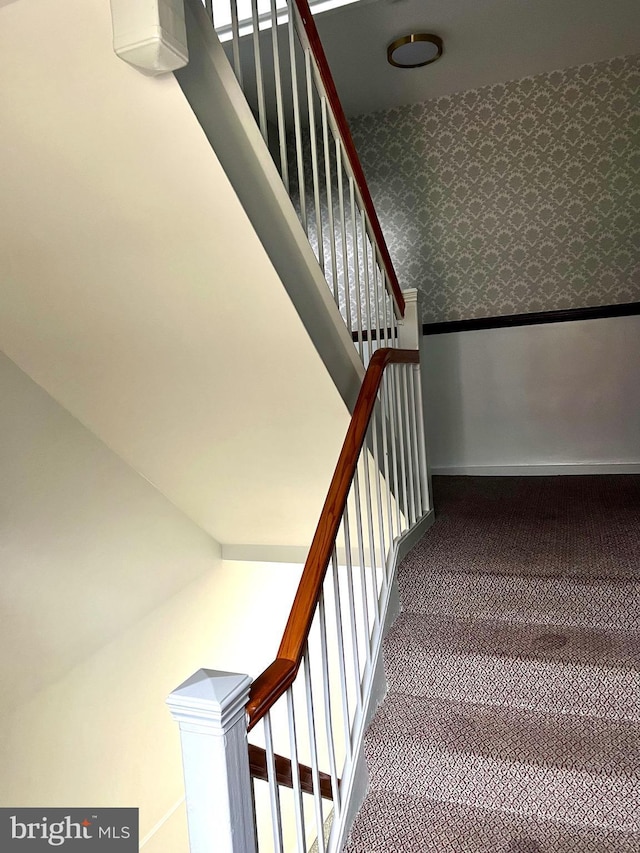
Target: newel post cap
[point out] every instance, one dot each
(210, 699)
(410, 295)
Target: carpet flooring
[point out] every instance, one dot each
(512, 718)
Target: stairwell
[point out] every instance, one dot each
(512, 719)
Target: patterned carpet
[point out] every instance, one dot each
(512, 721)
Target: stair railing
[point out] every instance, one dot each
(311, 702)
(279, 61)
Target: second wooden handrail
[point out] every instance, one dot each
(280, 675)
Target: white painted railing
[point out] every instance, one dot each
(307, 712)
(278, 60)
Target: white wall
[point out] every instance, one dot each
(136, 292)
(110, 598)
(563, 394)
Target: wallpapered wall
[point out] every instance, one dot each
(513, 198)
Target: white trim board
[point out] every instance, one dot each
(284, 553)
(541, 470)
(161, 822)
(266, 553)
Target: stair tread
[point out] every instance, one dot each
(579, 645)
(392, 823)
(505, 734)
(579, 770)
(550, 669)
(595, 603)
(533, 526)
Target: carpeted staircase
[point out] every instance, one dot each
(512, 720)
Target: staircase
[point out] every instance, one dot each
(512, 721)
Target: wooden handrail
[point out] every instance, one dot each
(347, 140)
(280, 675)
(284, 772)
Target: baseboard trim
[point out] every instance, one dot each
(161, 822)
(416, 533)
(572, 468)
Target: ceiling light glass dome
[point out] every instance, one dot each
(415, 50)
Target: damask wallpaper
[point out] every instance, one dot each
(513, 198)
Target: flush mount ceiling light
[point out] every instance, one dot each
(415, 50)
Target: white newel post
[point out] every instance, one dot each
(410, 337)
(210, 708)
(409, 328)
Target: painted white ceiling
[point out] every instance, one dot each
(135, 291)
(485, 41)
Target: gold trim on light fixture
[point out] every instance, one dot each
(410, 39)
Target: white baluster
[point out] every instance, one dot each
(377, 473)
(411, 496)
(313, 747)
(367, 284)
(274, 788)
(327, 178)
(262, 110)
(309, 64)
(295, 773)
(282, 130)
(356, 265)
(425, 470)
(413, 375)
(351, 607)
(295, 94)
(343, 232)
(328, 712)
(341, 659)
(396, 381)
(362, 560)
(235, 36)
